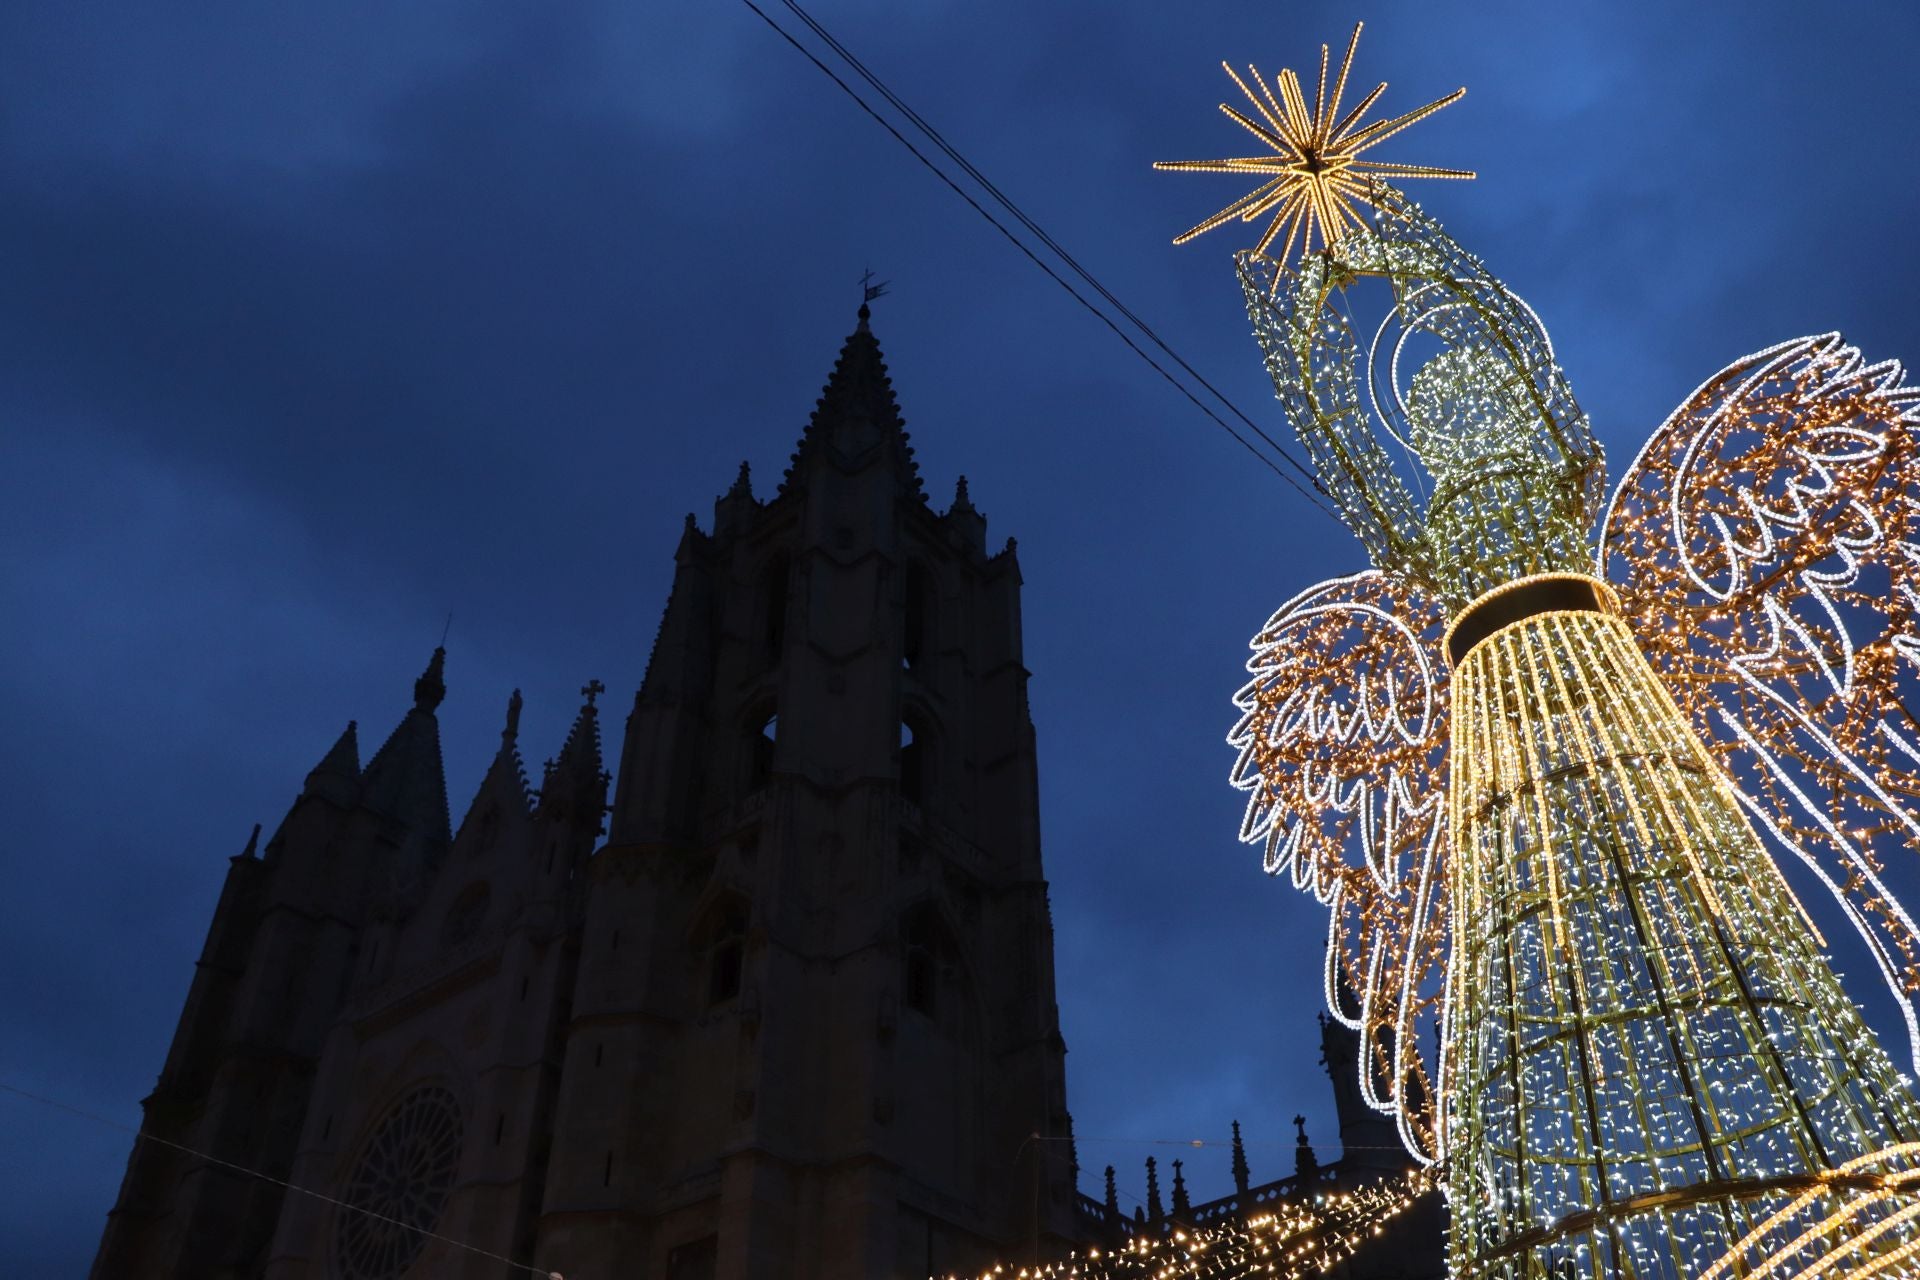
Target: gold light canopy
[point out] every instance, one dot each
(1314, 179)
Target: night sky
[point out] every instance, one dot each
(321, 322)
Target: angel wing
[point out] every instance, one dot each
(1342, 740)
(1766, 542)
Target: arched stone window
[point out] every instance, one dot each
(914, 636)
(916, 748)
(402, 1178)
(466, 915)
(722, 939)
(930, 979)
(489, 829)
(763, 731)
(773, 608)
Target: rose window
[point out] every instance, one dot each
(400, 1186)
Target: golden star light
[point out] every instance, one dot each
(1314, 178)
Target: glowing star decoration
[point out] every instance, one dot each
(1527, 762)
(1314, 181)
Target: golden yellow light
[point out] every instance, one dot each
(1314, 179)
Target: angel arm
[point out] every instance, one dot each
(1311, 356)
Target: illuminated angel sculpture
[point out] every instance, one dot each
(1532, 761)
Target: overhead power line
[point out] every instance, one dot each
(1311, 492)
(143, 1136)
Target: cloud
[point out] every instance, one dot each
(318, 324)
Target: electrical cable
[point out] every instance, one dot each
(144, 1136)
(1020, 215)
(1105, 319)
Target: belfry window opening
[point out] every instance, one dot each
(914, 633)
(726, 951)
(913, 761)
(773, 608)
(764, 734)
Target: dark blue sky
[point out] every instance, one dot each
(319, 322)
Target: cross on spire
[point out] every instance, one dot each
(591, 690)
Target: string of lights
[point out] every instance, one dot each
(1529, 800)
(1307, 490)
(1307, 1237)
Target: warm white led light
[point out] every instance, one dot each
(1644, 1054)
(1314, 183)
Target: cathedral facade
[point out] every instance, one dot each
(773, 998)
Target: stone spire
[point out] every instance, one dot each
(251, 852)
(733, 511)
(575, 786)
(1242, 1176)
(1182, 1207)
(1155, 1210)
(678, 641)
(965, 520)
(582, 747)
(431, 688)
(1113, 1196)
(1305, 1163)
(405, 779)
(337, 776)
(510, 735)
(857, 413)
(503, 792)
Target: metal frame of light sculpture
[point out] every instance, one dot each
(1769, 536)
(1647, 1068)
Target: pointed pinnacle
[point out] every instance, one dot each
(343, 757)
(431, 688)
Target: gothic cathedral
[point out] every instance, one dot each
(795, 1017)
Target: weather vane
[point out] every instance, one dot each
(869, 290)
(1314, 177)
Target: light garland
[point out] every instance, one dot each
(1305, 1237)
(1351, 755)
(1646, 1066)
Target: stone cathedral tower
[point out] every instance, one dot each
(794, 1019)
